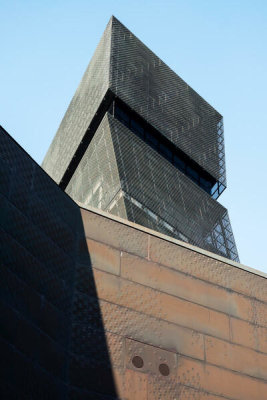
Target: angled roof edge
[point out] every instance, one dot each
(116, 20)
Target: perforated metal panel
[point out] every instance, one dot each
(157, 93)
(42, 247)
(103, 164)
(96, 180)
(81, 110)
(123, 175)
(124, 65)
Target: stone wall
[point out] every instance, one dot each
(203, 319)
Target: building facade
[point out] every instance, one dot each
(95, 306)
(138, 142)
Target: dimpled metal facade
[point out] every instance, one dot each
(81, 110)
(44, 311)
(151, 88)
(101, 162)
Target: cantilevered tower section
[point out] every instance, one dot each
(138, 142)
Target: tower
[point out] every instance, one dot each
(138, 142)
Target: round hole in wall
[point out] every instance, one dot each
(138, 362)
(164, 369)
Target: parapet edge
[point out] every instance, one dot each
(172, 240)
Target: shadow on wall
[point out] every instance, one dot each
(52, 339)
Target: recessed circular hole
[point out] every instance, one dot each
(164, 369)
(138, 362)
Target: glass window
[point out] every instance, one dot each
(153, 142)
(221, 188)
(122, 115)
(165, 151)
(179, 163)
(192, 173)
(215, 195)
(205, 184)
(136, 124)
(137, 128)
(215, 188)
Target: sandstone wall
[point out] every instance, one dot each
(203, 319)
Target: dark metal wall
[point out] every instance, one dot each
(96, 180)
(45, 268)
(159, 95)
(178, 202)
(81, 110)
(123, 175)
(131, 71)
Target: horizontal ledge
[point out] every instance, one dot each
(172, 240)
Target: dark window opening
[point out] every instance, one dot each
(167, 149)
(192, 173)
(179, 163)
(151, 140)
(137, 128)
(122, 116)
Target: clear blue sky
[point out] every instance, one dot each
(218, 47)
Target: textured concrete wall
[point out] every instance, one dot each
(203, 317)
